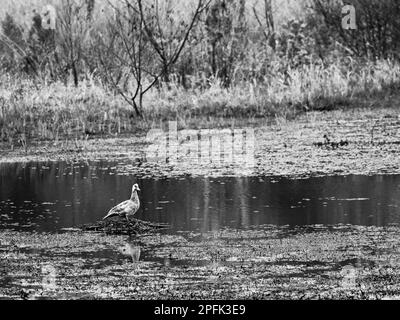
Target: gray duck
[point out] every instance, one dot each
(127, 208)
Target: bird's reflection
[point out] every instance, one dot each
(167, 261)
(132, 250)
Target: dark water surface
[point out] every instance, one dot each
(51, 196)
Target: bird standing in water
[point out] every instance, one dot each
(127, 208)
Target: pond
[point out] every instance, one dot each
(47, 197)
(230, 237)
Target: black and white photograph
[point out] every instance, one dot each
(199, 150)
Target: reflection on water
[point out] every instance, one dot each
(47, 197)
(132, 250)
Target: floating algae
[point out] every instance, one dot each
(119, 227)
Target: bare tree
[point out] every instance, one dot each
(226, 33)
(121, 49)
(167, 36)
(266, 22)
(134, 41)
(74, 26)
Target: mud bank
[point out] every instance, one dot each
(312, 262)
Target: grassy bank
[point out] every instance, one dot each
(31, 110)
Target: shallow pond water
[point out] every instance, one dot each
(51, 196)
(229, 237)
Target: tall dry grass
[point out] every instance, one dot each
(56, 111)
(304, 88)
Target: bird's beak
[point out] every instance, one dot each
(138, 189)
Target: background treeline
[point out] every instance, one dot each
(232, 39)
(219, 57)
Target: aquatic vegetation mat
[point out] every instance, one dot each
(118, 227)
(267, 262)
(358, 141)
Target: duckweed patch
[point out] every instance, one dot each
(114, 226)
(266, 262)
(358, 141)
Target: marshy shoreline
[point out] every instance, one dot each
(94, 95)
(339, 142)
(312, 262)
(264, 262)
